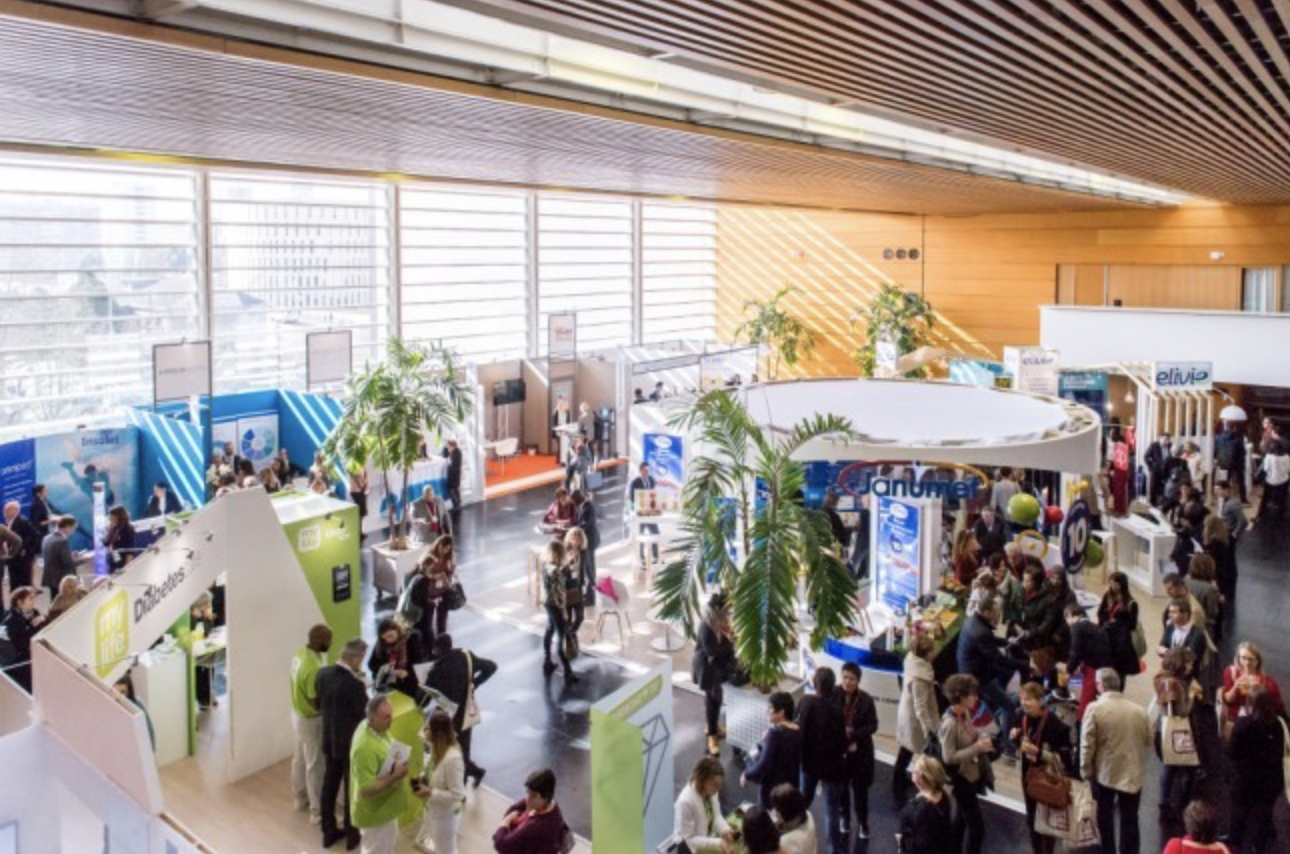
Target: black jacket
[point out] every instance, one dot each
(1052, 735)
(1255, 751)
(990, 538)
(450, 676)
(155, 507)
(713, 658)
(823, 736)
(342, 702)
(40, 513)
(1090, 647)
(31, 537)
(586, 520)
(454, 468)
(928, 828)
(1040, 617)
(979, 651)
(857, 762)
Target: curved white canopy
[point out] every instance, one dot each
(935, 422)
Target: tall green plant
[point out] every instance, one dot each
(902, 316)
(389, 406)
(744, 488)
(788, 336)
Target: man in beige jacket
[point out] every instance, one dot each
(1113, 745)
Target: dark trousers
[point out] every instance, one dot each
(853, 799)
(900, 781)
(336, 775)
(454, 495)
(434, 622)
(556, 626)
(1177, 783)
(1107, 801)
(834, 809)
(712, 700)
(1039, 844)
(649, 528)
(20, 573)
(1251, 823)
(463, 740)
(965, 795)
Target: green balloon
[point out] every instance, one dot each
(1093, 553)
(1023, 509)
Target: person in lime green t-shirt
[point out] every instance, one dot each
(376, 799)
(307, 762)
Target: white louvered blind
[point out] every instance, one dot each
(291, 256)
(97, 264)
(465, 270)
(585, 265)
(678, 272)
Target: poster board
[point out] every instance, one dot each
(329, 356)
(905, 540)
(562, 335)
(1033, 369)
(256, 439)
(631, 765)
(181, 371)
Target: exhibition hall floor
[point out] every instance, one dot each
(531, 721)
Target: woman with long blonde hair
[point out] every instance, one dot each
(444, 786)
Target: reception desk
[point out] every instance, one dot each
(1142, 549)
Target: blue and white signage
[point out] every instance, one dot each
(1075, 534)
(18, 472)
(1182, 376)
(665, 456)
(898, 550)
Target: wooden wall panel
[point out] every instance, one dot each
(988, 275)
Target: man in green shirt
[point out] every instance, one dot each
(307, 762)
(379, 794)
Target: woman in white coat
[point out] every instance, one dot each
(698, 812)
(917, 717)
(444, 789)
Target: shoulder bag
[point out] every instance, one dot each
(454, 598)
(1177, 741)
(470, 717)
(1046, 784)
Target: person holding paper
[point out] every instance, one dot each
(378, 788)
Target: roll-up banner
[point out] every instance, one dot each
(562, 335)
(329, 356)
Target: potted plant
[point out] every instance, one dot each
(894, 314)
(788, 336)
(743, 521)
(390, 406)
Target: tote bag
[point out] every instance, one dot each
(1285, 755)
(1177, 741)
(470, 717)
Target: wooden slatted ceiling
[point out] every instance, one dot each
(210, 98)
(1189, 95)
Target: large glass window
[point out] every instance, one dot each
(97, 264)
(678, 272)
(585, 265)
(465, 270)
(288, 257)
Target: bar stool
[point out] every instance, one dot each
(668, 642)
(646, 545)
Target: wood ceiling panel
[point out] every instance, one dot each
(213, 99)
(1189, 95)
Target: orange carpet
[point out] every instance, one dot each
(525, 472)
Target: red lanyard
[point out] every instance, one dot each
(1039, 729)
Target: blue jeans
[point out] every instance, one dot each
(834, 809)
(1107, 800)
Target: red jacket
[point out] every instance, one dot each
(534, 834)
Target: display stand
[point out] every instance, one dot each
(161, 685)
(1143, 550)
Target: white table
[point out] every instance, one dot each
(1142, 551)
(390, 567)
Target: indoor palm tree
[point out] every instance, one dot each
(788, 336)
(900, 316)
(743, 498)
(391, 406)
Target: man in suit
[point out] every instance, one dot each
(1180, 630)
(56, 550)
(41, 509)
(1158, 453)
(819, 716)
(162, 503)
(452, 453)
(989, 533)
(643, 481)
(342, 704)
(452, 672)
(21, 562)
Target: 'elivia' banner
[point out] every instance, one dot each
(631, 765)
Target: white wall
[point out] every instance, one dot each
(1247, 349)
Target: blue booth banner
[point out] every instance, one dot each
(257, 439)
(665, 456)
(898, 549)
(18, 472)
(1088, 388)
(71, 464)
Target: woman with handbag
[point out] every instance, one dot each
(916, 717)
(1044, 744)
(1118, 612)
(714, 658)
(575, 564)
(443, 788)
(967, 756)
(439, 567)
(555, 582)
(929, 822)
